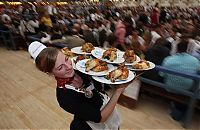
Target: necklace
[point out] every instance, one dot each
(88, 93)
(77, 82)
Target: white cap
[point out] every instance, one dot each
(35, 48)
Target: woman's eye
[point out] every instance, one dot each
(60, 68)
(66, 59)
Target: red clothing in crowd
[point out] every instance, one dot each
(120, 32)
(154, 17)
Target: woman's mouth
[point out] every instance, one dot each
(70, 73)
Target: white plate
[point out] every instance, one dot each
(102, 79)
(98, 53)
(134, 62)
(152, 65)
(73, 63)
(121, 54)
(80, 65)
(77, 50)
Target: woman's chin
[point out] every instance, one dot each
(73, 72)
(70, 75)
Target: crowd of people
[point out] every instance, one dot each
(167, 36)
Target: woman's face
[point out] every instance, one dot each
(63, 67)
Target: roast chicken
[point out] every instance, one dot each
(87, 47)
(81, 57)
(120, 73)
(110, 54)
(129, 56)
(96, 65)
(141, 65)
(67, 52)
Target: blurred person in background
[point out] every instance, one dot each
(182, 62)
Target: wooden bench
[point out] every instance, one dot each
(188, 97)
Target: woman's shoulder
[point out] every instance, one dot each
(171, 60)
(68, 95)
(193, 60)
(181, 58)
(189, 57)
(171, 57)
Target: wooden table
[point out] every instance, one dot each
(126, 100)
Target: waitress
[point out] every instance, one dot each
(76, 93)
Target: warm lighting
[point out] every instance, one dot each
(14, 3)
(1, 3)
(61, 3)
(94, 0)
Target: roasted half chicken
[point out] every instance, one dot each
(81, 57)
(110, 54)
(141, 65)
(87, 47)
(120, 73)
(96, 65)
(129, 56)
(67, 52)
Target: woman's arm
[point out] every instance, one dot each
(108, 109)
(84, 110)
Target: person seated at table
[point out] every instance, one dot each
(182, 62)
(110, 41)
(31, 25)
(156, 54)
(88, 35)
(76, 93)
(56, 33)
(69, 41)
(46, 20)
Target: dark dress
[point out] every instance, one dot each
(83, 108)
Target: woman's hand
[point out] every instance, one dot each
(120, 88)
(108, 109)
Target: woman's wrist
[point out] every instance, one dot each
(118, 92)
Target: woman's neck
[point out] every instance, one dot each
(77, 81)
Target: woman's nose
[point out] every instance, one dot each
(68, 64)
